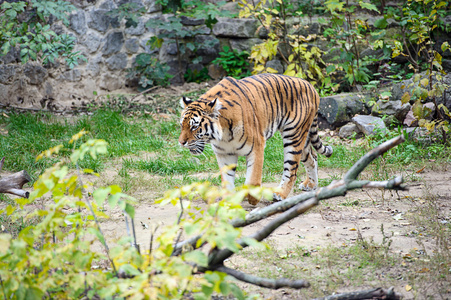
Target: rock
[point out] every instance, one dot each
(78, 22)
(208, 48)
(400, 88)
(391, 108)
(12, 56)
(168, 52)
(35, 73)
(348, 130)
(276, 65)
(187, 21)
(152, 6)
(429, 110)
(244, 28)
(108, 5)
(216, 71)
(117, 61)
(91, 42)
(369, 124)
(231, 7)
(410, 119)
(139, 29)
(335, 111)
(132, 45)
(113, 44)
(7, 73)
(93, 66)
(420, 134)
(241, 45)
(111, 82)
(100, 21)
(71, 75)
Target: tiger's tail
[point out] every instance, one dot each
(316, 141)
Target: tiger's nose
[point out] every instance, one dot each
(182, 142)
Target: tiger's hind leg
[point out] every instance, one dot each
(293, 152)
(310, 161)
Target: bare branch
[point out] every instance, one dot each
(361, 164)
(377, 293)
(264, 282)
(12, 184)
(217, 257)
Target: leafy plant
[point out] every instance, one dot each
(420, 19)
(348, 32)
(300, 57)
(233, 62)
(26, 25)
(149, 71)
(53, 258)
(196, 76)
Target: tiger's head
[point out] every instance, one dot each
(199, 124)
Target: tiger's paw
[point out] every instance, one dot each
(252, 200)
(308, 186)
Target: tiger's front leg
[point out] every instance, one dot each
(254, 169)
(227, 176)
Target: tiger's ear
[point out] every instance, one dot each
(184, 101)
(215, 106)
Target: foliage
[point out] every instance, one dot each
(128, 11)
(349, 32)
(233, 62)
(26, 25)
(149, 71)
(54, 258)
(302, 59)
(193, 75)
(419, 19)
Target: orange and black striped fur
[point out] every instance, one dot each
(238, 116)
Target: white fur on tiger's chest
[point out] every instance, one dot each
(232, 142)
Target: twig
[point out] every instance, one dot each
(143, 92)
(181, 231)
(365, 160)
(264, 282)
(1, 163)
(3, 288)
(377, 293)
(151, 241)
(103, 240)
(132, 222)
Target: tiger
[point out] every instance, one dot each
(237, 117)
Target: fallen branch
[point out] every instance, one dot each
(374, 294)
(12, 184)
(336, 188)
(264, 282)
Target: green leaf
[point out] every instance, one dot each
(100, 195)
(130, 210)
(405, 98)
(381, 23)
(196, 256)
(368, 6)
(129, 269)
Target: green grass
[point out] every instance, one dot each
(130, 137)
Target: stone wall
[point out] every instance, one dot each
(111, 48)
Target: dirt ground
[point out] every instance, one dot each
(337, 221)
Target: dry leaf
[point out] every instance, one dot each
(352, 229)
(421, 170)
(408, 287)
